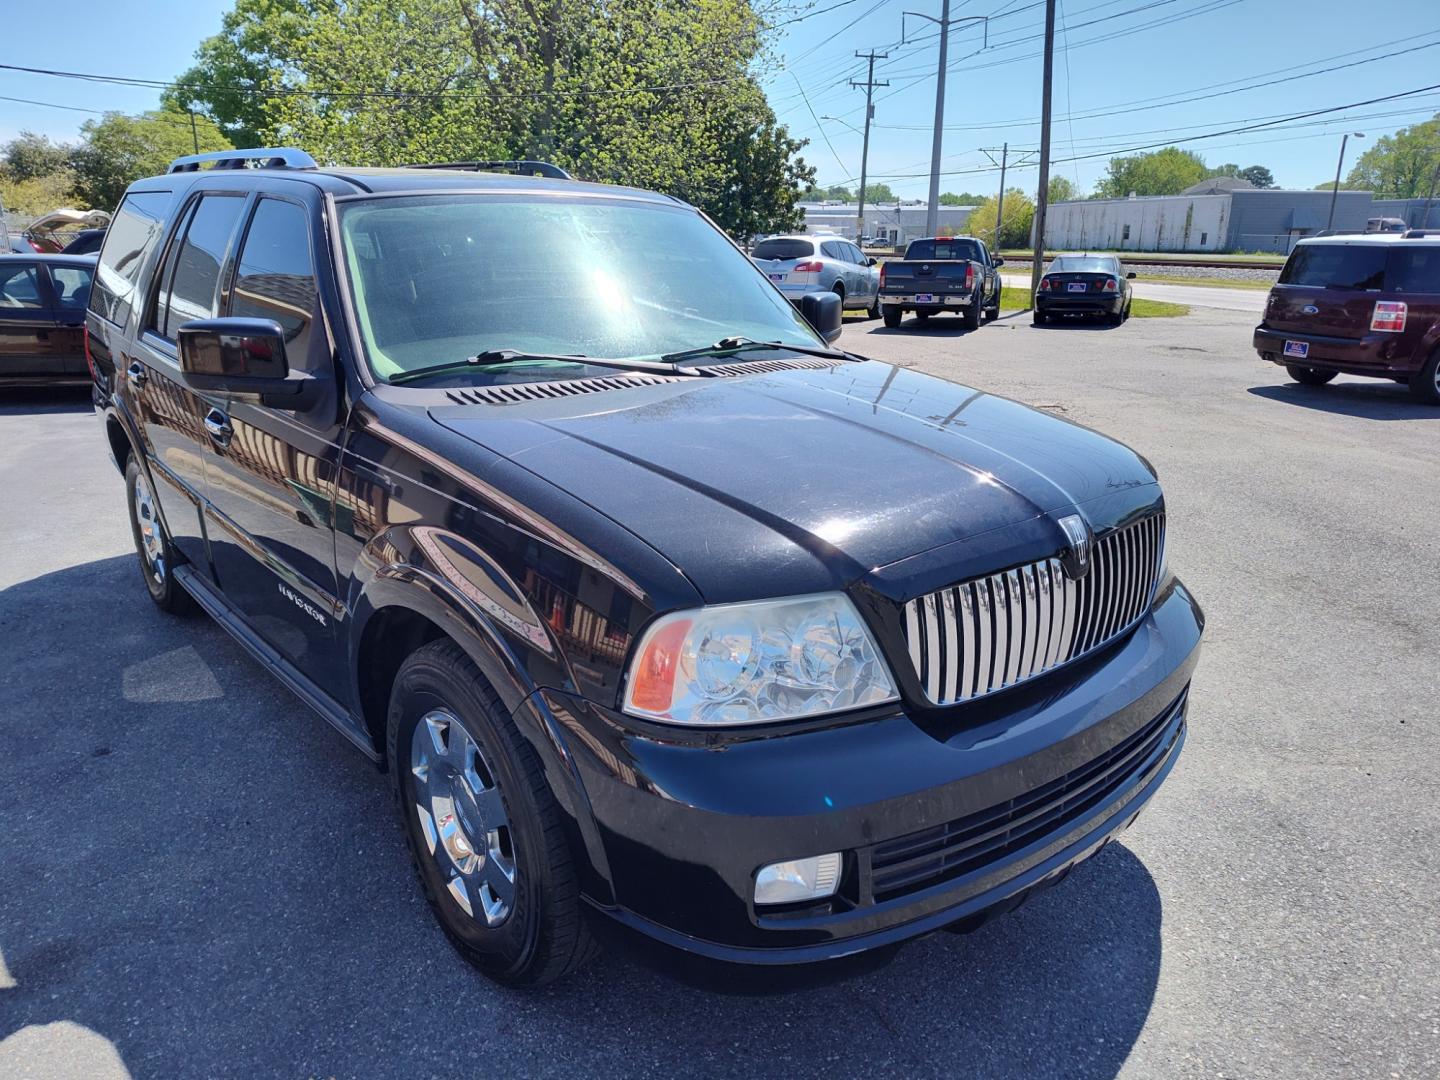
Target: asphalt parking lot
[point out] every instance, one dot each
(199, 878)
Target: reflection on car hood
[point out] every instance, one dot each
(801, 479)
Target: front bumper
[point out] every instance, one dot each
(1379, 354)
(935, 828)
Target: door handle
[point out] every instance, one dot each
(218, 425)
(137, 373)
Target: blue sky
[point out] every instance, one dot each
(1177, 68)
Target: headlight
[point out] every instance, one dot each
(757, 662)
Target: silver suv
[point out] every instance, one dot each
(803, 264)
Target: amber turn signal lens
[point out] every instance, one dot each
(655, 668)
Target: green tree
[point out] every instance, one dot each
(29, 156)
(1162, 172)
(878, 193)
(1399, 166)
(963, 198)
(655, 93)
(1062, 189)
(1014, 231)
(1258, 175)
(118, 149)
(39, 194)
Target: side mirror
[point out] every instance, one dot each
(822, 311)
(1130, 276)
(999, 260)
(243, 356)
(871, 261)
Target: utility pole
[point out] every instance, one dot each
(1004, 151)
(1335, 191)
(1042, 195)
(932, 212)
(869, 85)
(194, 135)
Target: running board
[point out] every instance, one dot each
(216, 607)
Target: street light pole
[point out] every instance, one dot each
(932, 212)
(1339, 165)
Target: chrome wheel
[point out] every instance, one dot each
(462, 817)
(152, 540)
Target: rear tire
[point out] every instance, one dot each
(496, 867)
(1309, 376)
(152, 546)
(1038, 318)
(922, 316)
(973, 314)
(893, 314)
(1425, 386)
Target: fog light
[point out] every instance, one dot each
(797, 880)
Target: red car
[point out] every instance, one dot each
(1358, 305)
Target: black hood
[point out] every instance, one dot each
(803, 480)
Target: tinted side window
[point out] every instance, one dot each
(197, 270)
(1336, 266)
(831, 249)
(276, 276)
(20, 286)
(72, 286)
(853, 254)
(783, 249)
(133, 232)
(1414, 270)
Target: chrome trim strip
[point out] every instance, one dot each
(979, 636)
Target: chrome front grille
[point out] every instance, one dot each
(979, 636)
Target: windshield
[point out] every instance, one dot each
(1084, 266)
(941, 250)
(439, 278)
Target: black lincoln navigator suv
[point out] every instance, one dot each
(664, 615)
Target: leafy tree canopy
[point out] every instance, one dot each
(879, 193)
(963, 198)
(1399, 166)
(1162, 172)
(1061, 189)
(656, 93)
(1014, 231)
(118, 149)
(29, 156)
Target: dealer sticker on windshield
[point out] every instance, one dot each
(1297, 348)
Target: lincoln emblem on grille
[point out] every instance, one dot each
(1075, 558)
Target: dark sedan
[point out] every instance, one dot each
(42, 318)
(1084, 285)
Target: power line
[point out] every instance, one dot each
(823, 133)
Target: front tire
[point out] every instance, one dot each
(873, 311)
(1425, 386)
(1309, 376)
(156, 553)
(893, 315)
(485, 832)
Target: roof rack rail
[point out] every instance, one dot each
(265, 157)
(524, 168)
(1420, 234)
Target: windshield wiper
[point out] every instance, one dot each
(729, 345)
(500, 357)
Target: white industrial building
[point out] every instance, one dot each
(1227, 215)
(891, 223)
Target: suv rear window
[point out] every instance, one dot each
(943, 249)
(133, 232)
(783, 249)
(1336, 266)
(1413, 270)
